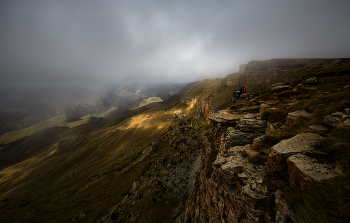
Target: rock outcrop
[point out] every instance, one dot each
(300, 143)
(260, 74)
(232, 186)
(307, 171)
(205, 108)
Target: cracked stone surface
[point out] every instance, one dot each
(308, 172)
(279, 153)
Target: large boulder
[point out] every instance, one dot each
(307, 171)
(280, 152)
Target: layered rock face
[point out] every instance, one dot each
(232, 79)
(205, 108)
(254, 76)
(231, 187)
(260, 74)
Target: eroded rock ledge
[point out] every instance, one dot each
(232, 188)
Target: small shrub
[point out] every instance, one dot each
(24, 202)
(271, 139)
(114, 215)
(127, 193)
(245, 154)
(288, 94)
(259, 146)
(341, 133)
(338, 146)
(343, 105)
(258, 159)
(298, 124)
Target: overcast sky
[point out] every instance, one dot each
(108, 41)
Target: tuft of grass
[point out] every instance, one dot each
(300, 124)
(332, 102)
(245, 154)
(328, 203)
(343, 105)
(274, 115)
(260, 146)
(337, 145)
(288, 94)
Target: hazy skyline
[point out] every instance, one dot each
(98, 42)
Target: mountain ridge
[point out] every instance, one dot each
(134, 167)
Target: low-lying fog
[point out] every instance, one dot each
(24, 105)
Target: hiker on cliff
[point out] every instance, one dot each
(244, 90)
(236, 94)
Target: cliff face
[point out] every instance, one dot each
(259, 74)
(233, 186)
(205, 108)
(228, 187)
(255, 76)
(240, 181)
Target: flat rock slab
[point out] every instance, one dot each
(318, 127)
(279, 153)
(251, 116)
(224, 116)
(300, 113)
(307, 171)
(251, 125)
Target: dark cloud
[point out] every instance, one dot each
(112, 41)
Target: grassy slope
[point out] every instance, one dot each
(221, 95)
(61, 184)
(55, 121)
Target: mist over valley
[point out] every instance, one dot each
(174, 111)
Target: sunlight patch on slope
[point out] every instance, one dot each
(55, 121)
(13, 175)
